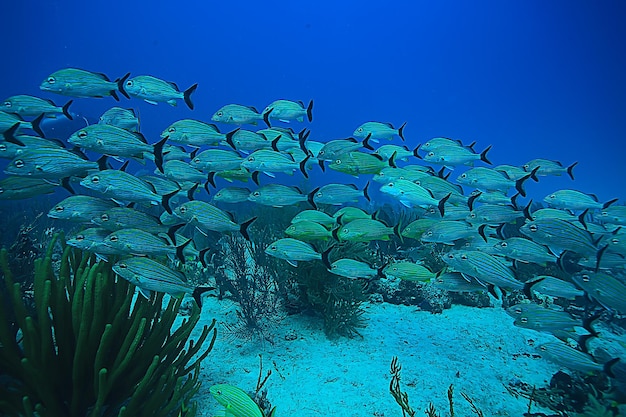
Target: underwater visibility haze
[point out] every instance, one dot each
(300, 179)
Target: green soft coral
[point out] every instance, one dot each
(89, 347)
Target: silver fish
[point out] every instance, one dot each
(80, 83)
(123, 118)
(26, 106)
(154, 90)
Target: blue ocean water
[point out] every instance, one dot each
(534, 80)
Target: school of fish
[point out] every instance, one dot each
(474, 216)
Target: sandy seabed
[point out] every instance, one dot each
(478, 350)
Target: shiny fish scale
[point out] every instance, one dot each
(49, 163)
(447, 231)
(351, 268)
(292, 250)
(216, 160)
(151, 88)
(277, 195)
(560, 234)
(206, 216)
(235, 400)
(110, 140)
(139, 242)
(125, 217)
(193, 133)
(525, 250)
(120, 185)
(484, 267)
(152, 276)
(78, 83)
(80, 208)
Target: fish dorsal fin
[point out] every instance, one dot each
(173, 84)
(253, 108)
(292, 263)
(140, 136)
(100, 74)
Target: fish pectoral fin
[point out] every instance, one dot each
(150, 101)
(144, 292)
(292, 263)
(269, 174)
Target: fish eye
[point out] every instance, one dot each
(114, 238)
(463, 176)
(431, 154)
(95, 179)
(182, 209)
(80, 237)
(129, 83)
(345, 230)
(19, 163)
(464, 257)
(504, 244)
(333, 267)
(585, 278)
(7, 104)
(251, 159)
(390, 184)
(256, 194)
(473, 215)
(196, 160)
(518, 310)
(615, 241)
(51, 80)
(360, 129)
(104, 217)
(524, 319)
(220, 113)
(123, 266)
(395, 268)
(552, 196)
(273, 247)
(338, 161)
(526, 167)
(319, 194)
(450, 256)
(59, 209)
(604, 213)
(429, 233)
(3, 147)
(171, 129)
(533, 228)
(82, 134)
(322, 152)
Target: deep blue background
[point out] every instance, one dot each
(533, 78)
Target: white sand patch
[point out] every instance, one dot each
(477, 350)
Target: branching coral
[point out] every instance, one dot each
(91, 347)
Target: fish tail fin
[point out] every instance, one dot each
(514, 201)
(309, 111)
(533, 174)
(483, 155)
(326, 256)
(165, 201)
(366, 142)
(66, 110)
(229, 138)
(608, 203)
(527, 212)
(608, 367)
(114, 95)
(243, 228)
(519, 184)
(366, 191)
(197, 294)
(401, 133)
(65, 183)
(310, 197)
(581, 218)
(9, 135)
(570, 170)
(202, 256)
(415, 151)
(599, 256)
(211, 179)
(36, 124)
(302, 137)
(187, 95)
(120, 87)
(303, 166)
(321, 164)
(158, 153)
(392, 160)
(275, 143)
(442, 203)
(179, 251)
(266, 117)
(471, 199)
(481, 232)
(102, 162)
(192, 191)
(528, 286)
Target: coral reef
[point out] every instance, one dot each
(91, 347)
